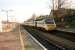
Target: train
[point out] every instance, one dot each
(46, 24)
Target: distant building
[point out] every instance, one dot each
(62, 12)
(43, 16)
(8, 26)
(38, 17)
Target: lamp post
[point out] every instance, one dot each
(7, 12)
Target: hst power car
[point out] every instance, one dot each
(47, 24)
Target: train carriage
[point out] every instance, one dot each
(46, 23)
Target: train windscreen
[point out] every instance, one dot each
(49, 21)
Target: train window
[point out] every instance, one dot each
(40, 22)
(49, 21)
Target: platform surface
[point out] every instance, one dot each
(11, 41)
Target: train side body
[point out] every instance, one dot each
(47, 24)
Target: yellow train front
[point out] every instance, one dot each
(47, 24)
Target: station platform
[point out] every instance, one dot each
(9, 41)
(29, 42)
(14, 39)
(72, 30)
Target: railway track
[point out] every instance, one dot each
(51, 41)
(67, 35)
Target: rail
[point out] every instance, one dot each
(44, 41)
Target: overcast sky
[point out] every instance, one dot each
(23, 9)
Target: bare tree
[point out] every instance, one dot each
(60, 3)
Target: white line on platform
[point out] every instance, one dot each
(21, 40)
